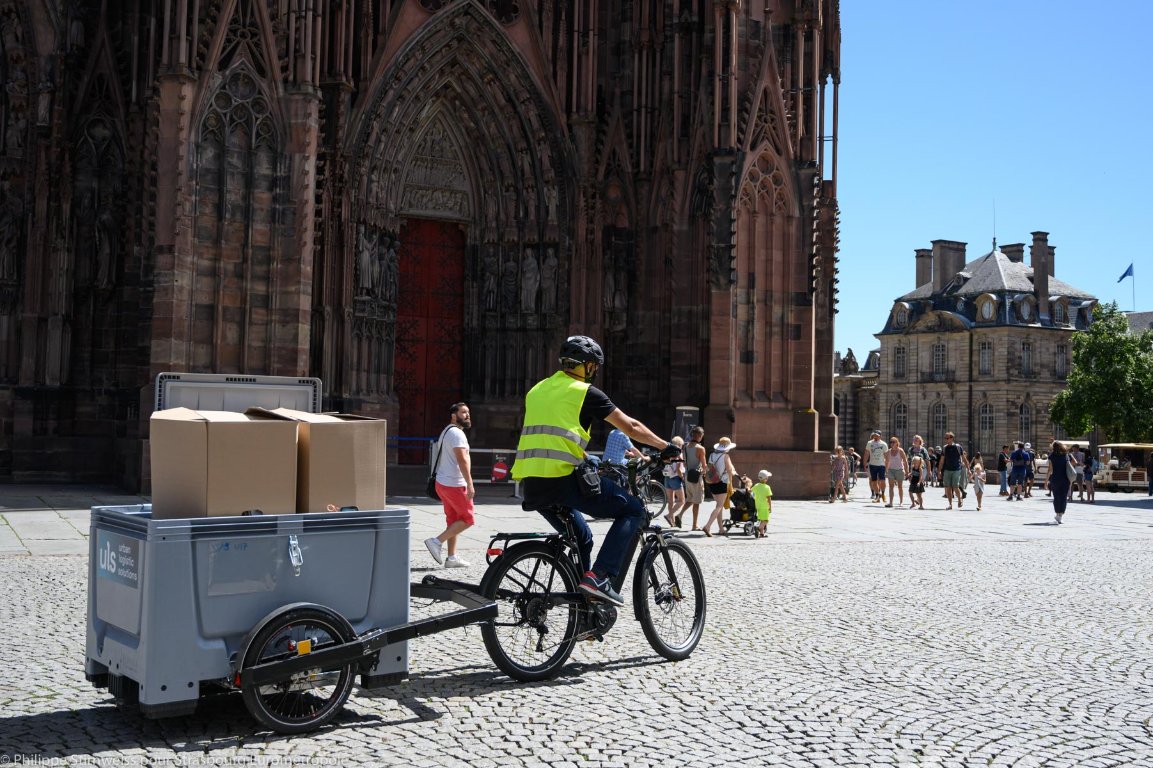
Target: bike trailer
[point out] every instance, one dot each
(171, 603)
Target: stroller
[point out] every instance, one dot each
(743, 511)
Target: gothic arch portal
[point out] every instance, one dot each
(455, 139)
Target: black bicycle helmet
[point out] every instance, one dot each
(582, 349)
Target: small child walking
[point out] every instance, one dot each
(763, 498)
(917, 483)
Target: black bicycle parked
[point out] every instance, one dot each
(541, 614)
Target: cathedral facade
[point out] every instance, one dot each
(416, 201)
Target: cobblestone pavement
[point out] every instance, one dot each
(954, 645)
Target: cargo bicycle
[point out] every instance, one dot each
(541, 614)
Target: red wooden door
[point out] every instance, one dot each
(429, 330)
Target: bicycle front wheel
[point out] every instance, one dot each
(669, 596)
(537, 602)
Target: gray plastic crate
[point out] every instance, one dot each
(169, 601)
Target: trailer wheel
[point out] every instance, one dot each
(306, 700)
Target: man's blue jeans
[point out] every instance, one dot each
(627, 513)
(1004, 473)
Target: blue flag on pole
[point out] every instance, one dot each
(1126, 273)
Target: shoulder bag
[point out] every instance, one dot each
(430, 489)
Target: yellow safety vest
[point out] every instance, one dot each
(552, 442)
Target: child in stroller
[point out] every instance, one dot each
(743, 510)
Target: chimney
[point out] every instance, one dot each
(1052, 261)
(1039, 260)
(948, 260)
(924, 257)
(1015, 252)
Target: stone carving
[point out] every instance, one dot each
(107, 245)
(548, 281)
(366, 246)
(508, 284)
(529, 281)
(390, 271)
(550, 199)
(10, 226)
(489, 267)
(849, 365)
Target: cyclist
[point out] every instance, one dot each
(559, 412)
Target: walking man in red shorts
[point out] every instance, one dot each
(454, 487)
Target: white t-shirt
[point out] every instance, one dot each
(876, 450)
(447, 470)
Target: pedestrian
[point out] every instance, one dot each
(1149, 471)
(854, 465)
(1003, 469)
(840, 475)
(719, 474)
(917, 483)
(763, 499)
(1059, 479)
(918, 449)
(695, 460)
(977, 475)
(875, 451)
(1087, 477)
(674, 477)
(454, 487)
(952, 468)
(931, 467)
(1078, 461)
(1030, 469)
(1017, 461)
(897, 466)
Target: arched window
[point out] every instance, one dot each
(938, 423)
(900, 423)
(986, 437)
(1025, 422)
(899, 359)
(939, 359)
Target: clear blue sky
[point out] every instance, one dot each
(1044, 107)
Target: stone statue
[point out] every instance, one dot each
(489, 279)
(9, 242)
(389, 270)
(529, 281)
(849, 364)
(550, 199)
(365, 260)
(106, 247)
(548, 275)
(508, 284)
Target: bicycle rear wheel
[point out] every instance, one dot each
(537, 611)
(669, 596)
(652, 495)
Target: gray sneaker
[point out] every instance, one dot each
(452, 561)
(434, 549)
(600, 588)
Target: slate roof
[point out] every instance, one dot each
(1139, 321)
(994, 273)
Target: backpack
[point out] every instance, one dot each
(712, 476)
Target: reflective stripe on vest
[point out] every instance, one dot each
(552, 441)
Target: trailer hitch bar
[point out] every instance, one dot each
(475, 609)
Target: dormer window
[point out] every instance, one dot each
(1059, 313)
(1026, 310)
(902, 317)
(986, 307)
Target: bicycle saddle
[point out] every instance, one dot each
(556, 509)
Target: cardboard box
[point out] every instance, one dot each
(340, 461)
(215, 463)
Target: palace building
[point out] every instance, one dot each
(980, 347)
(416, 201)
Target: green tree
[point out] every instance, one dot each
(1111, 380)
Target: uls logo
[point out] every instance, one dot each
(108, 558)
